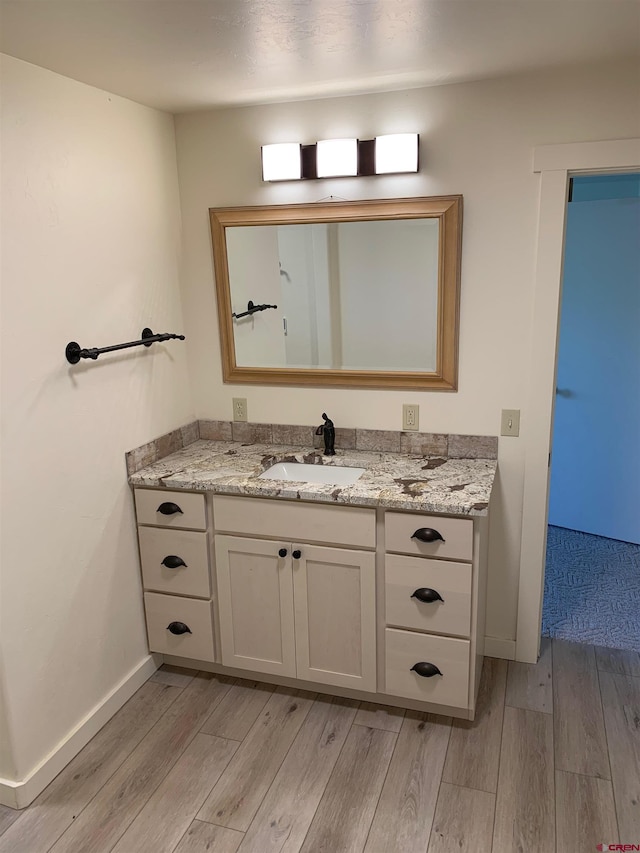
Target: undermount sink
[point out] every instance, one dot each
(300, 472)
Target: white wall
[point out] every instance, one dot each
(389, 290)
(91, 243)
(253, 268)
(477, 139)
(304, 297)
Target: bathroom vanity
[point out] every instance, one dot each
(374, 590)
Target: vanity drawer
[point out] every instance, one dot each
(452, 581)
(192, 510)
(404, 649)
(157, 545)
(334, 525)
(457, 533)
(162, 610)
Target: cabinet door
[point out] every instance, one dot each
(335, 606)
(255, 602)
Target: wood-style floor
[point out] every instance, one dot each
(196, 763)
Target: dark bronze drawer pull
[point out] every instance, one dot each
(427, 534)
(168, 508)
(426, 670)
(427, 595)
(173, 562)
(178, 628)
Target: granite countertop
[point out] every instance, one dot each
(391, 480)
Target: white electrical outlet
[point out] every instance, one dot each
(240, 408)
(510, 422)
(410, 416)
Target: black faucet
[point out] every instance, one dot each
(329, 431)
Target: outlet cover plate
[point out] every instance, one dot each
(410, 416)
(240, 409)
(510, 422)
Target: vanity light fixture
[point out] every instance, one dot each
(396, 152)
(337, 158)
(393, 153)
(282, 162)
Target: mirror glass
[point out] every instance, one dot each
(354, 293)
(336, 288)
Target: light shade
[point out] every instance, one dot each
(336, 158)
(281, 162)
(396, 152)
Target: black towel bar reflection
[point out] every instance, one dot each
(74, 351)
(251, 309)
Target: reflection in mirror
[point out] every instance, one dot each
(336, 288)
(342, 293)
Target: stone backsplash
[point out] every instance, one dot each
(450, 446)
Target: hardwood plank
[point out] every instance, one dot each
(167, 815)
(115, 806)
(7, 817)
(473, 755)
(176, 676)
(237, 796)
(580, 742)
(525, 799)
(621, 703)
(380, 717)
(585, 812)
(463, 822)
(408, 801)
(343, 818)
(238, 711)
(285, 815)
(529, 686)
(618, 661)
(40, 825)
(207, 838)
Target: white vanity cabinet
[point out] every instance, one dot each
(174, 540)
(291, 607)
(366, 601)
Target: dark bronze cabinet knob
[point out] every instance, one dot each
(282, 552)
(296, 554)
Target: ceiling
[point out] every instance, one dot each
(181, 55)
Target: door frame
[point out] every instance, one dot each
(556, 164)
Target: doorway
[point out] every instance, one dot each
(592, 579)
(554, 164)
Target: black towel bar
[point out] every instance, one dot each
(74, 352)
(251, 309)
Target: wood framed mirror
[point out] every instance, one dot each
(363, 294)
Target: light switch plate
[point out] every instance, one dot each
(410, 416)
(240, 408)
(510, 422)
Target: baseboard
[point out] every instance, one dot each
(17, 795)
(8, 794)
(494, 647)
